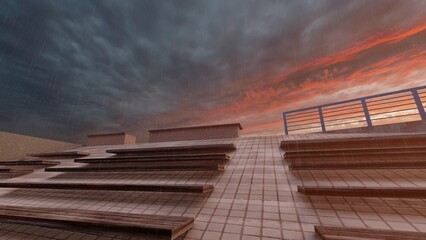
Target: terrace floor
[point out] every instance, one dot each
(254, 198)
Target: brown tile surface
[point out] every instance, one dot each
(254, 198)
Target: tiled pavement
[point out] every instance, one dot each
(254, 198)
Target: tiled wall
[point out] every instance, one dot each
(16, 146)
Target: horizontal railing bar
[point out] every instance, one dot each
(386, 108)
(303, 120)
(309, 111)
(347, 123)
(356, 99)
(301, 117)
(342, 110)
(305, 128)
(388, 102)
(339, 106)
(332, 120)
(342, 114)
(402, 110)
(378, 104)
(394, 106)
(302, 114)
(412, 110)
(371, 110)
(394, 109)
(395, 112)
(305, 132)
(308, 125)
(318, 129)
(304, 124)
(375, 119)
(372, 100)
(334, 107)
(297, 122)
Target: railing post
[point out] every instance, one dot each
(366, 113)
(285, 123)
(321, 119)
(419, 104)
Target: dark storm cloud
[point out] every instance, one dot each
(69, 68)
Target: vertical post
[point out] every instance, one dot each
(321, 119)
(419, 104)
(285, 123)
(366, 113)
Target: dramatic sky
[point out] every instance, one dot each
(71, 68)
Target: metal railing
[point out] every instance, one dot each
(392, 107)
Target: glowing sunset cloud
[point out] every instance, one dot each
(71, 68)
(261, 106)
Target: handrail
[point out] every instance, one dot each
(362, 104)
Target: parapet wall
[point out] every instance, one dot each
(16, 146)
(196, 133)
(110, 139)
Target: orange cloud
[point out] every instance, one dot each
(368, 67)
(349, 53)
(392, 71)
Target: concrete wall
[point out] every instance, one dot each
(196, 133)
(406, 127)
(110, 139)
(16, 146)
